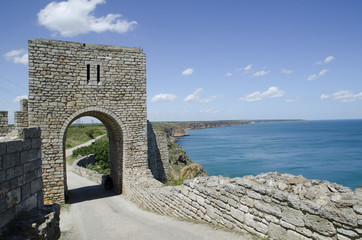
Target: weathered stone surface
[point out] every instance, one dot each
(237, 214)
(291, 235)
(293, 216)
(20, 186)
(320, 225)
(349, 233)
(277, 232)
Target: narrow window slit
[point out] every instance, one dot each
(88, 73)
(98, 73)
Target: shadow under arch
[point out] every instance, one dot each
(116, 135)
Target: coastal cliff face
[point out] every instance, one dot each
(212, 124)
(177, 129)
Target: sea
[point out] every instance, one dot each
(326, 150)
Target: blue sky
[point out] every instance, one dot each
(208, 60)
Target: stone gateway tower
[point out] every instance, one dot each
(70, 80)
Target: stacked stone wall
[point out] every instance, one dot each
(20, 175)
(269, 205)
(4, 129)
(70, 80)
(79, 167)
(21, 117)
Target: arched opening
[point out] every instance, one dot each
(115, 137)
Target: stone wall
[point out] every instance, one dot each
(21, 117)
(70, 80)
(78, 167)
(272, 205)
(158, 161)
(4, 129)
(20, 175)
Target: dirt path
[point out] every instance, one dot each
(69, 151)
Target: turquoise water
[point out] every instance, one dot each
(325, 150)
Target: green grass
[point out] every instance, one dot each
(70, 159)
(81, 133)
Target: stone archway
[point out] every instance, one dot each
(115, 135)
(68, 80)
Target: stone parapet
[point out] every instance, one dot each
(21, 119)
(20, 175)
(272, 205)
(4, 128)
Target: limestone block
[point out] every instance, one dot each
(320, 225)
(291, 235)
(9, 160)
(13, 197)
(293, 216)
(36, 185)
(2, 148)
(277, 232)
(349, 233)
(237, 214)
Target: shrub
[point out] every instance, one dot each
(100, 149)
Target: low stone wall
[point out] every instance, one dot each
(272, 205)
(78, 167)
(20, 175)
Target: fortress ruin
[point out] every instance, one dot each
(70, 80)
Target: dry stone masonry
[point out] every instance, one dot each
(4, 129)
(21, 117)
(20, 175)
(272, 205)
(70, 80)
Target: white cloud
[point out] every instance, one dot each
(228, 74)
(209, 110)
(17, 56)
(248, 68)
(315, 76)
(324, 96)
(187, 72)
(195, 97)
(290, 100)
(206, 110)
(347, 96)
(19, 98)
(326, 60)
(272, 92)
(344, 96)
(163, 97)
(260, 73)
(210, 99)
(74, 17)
(286, 71)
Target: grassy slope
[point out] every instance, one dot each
(81, 133)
